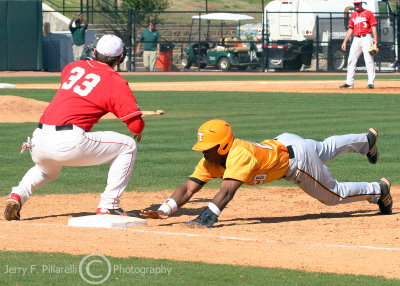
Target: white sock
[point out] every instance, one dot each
(214, 209)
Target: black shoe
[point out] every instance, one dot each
(372, 136)
(385, 202)
(370, 86)
(346, 86)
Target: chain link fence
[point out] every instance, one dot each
(328, 53)
(234, 41)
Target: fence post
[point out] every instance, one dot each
(330, 52)
(265, 52)
(131, 46)
(134, 38)
(198, 45)
(398, 36)
(92, 13)
(87, 11)
(317, 42)
(262, 37)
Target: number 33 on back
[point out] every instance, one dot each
(76, 73)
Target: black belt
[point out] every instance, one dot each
(361, 36)
(290, 151)
(59, 127)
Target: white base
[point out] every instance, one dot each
(7, 85)
(106, 221)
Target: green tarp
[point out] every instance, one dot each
(20, 35)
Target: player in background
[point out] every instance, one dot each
(89, 89)
(362, 22)
(287, 156)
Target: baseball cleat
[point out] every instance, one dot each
(206, 219)
(119, 211)
(370, 86)
(13, 208)
(346, 86)
(373, 154)
(385, 202)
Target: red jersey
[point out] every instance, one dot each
(89, 90)
(361, 22)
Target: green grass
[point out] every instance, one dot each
(165, 159)
(51, 269)
(199, 77)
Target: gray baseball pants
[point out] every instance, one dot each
(307, 169)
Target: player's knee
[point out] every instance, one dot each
(331, 201)
(131, 145)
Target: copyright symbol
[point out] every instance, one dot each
(95, 268)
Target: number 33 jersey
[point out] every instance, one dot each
(89, 90)
(248, 162)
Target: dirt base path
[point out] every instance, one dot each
(300, 86)
(271, 227)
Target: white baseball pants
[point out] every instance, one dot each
(307, 169)
(358, 46)
(54, 149)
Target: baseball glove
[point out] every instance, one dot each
(373, 50)
(88, 52)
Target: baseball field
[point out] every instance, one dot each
(270, 235)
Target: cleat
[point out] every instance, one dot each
(346, 86)
(370, 86)
(119, 211)
(385, 202)
(373, 154)
(13, 208)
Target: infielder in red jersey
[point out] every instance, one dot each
(288, 157)
(89, 89)
(362, 22)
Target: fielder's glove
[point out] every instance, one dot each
(206, 219)
(373, 50)
(88, 52)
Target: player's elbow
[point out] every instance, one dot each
(136, 125)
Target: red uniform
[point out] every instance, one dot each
(361, 22)
(89, 90)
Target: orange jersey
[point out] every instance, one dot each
(248, 162)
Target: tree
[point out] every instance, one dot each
(146, 6)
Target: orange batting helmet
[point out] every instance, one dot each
(212, 133)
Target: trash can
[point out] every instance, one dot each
(165, 59)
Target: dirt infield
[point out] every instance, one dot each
(269, 227)
(300, 86)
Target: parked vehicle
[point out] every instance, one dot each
(224, 52)
(295, 29)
